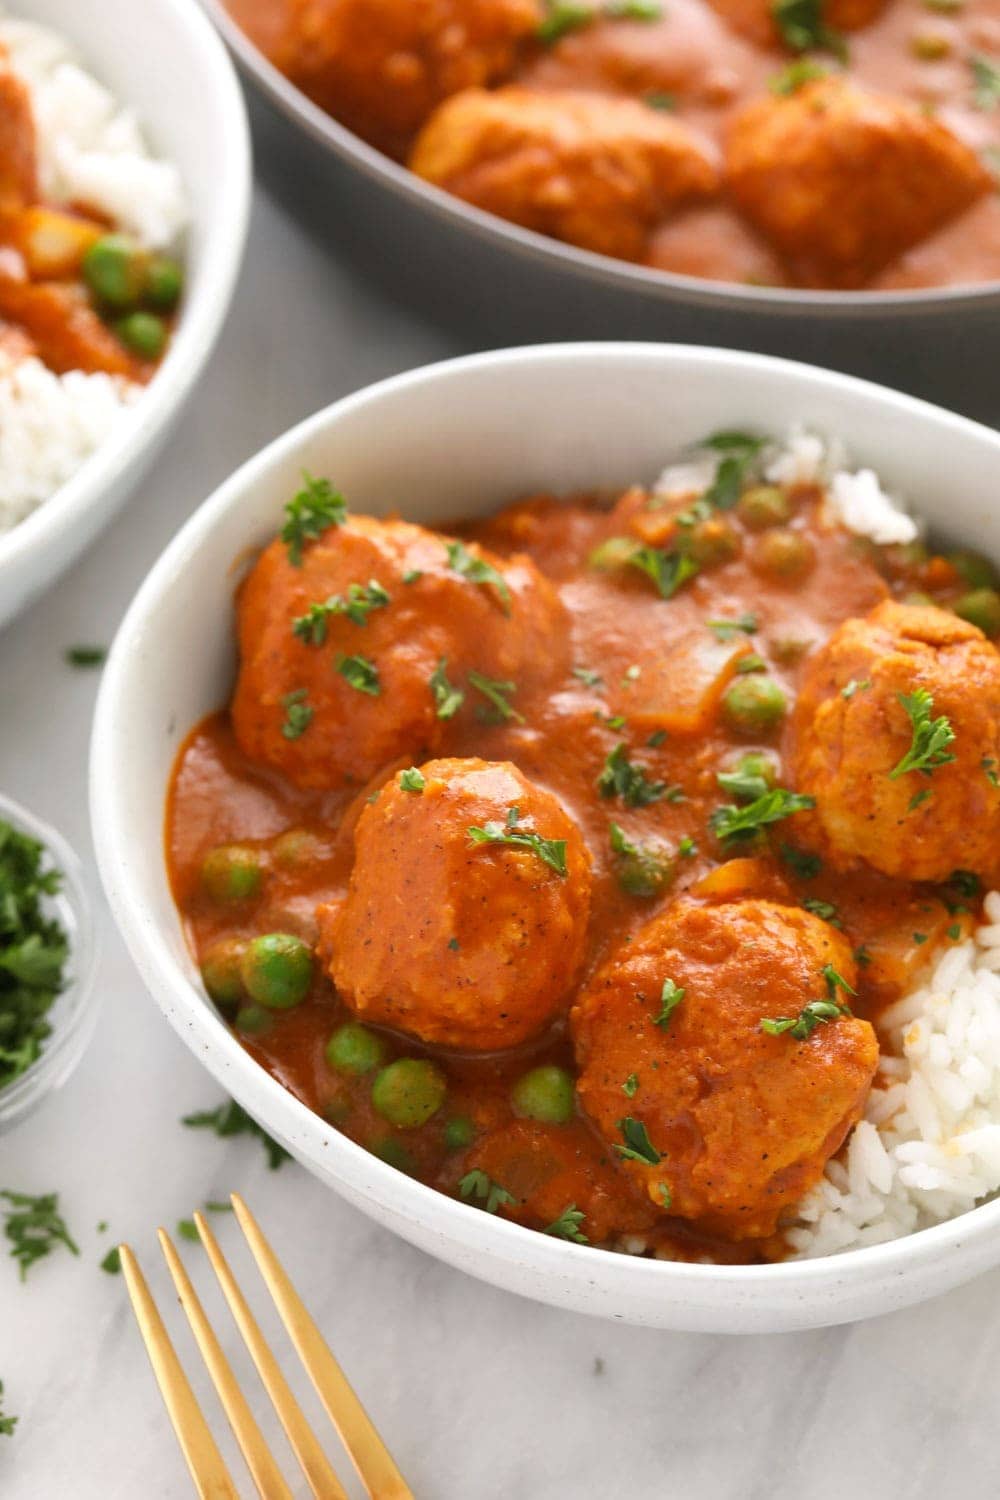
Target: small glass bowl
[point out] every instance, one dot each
(74, 1012)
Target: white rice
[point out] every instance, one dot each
(90, 152)
(929, 1147)
(90, 149)
(854, 500)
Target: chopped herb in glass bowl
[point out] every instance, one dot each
(47, 961)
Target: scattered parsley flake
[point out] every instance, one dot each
(453, 944)
(931, 737)
(630, 1086)
(745, 784)
(362, 674)
(985, 82)
(795, 75)
(413, 575)
(35, 1227)
(815, 1013)
(361, 600)
(989, 769)
(86, 656)
(671, 996)
(622, 778)
(449, 699)
(855, 686)
(7, 1424)
(805, 866)
(298, 713)
(918, 799)
(728, 630)
(733, 825)
(478, 570)
(666, 1197)
(112, 1262)
(232, 1119)
(739, 450)
(803, 28)
(567, 1226)
(588, 677)
(965, 882)
(656, 739)
(497, 693)
(638, 1146)
(955, 932)
(919, 938)
(835, 982)
(825, 910)
(476, 1184)
(660, 99)
(687, 848)
(669, 570)
(313, 510)
(412, 780)
(188, 1230)
(551, 852)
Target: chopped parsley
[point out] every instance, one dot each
(362, 674)
(644, 869)
(412, 780)
(671, 996)
(965, 882)
(638, 1146)
(805, 866)
(669, 570)
(476, 1184)
(232, 1119)
(665, 1196)
(551, 852)
(919, 938)
(314, 509)
(687, 848)
(728, 630)
(798, 73)
(34, 1227)
(7, 1424)
(734, 825)
(33, 950)
(989, 768)
(985, 82)
(565, 16)
(112, 1262)
(954, 932)
(413, 575)
(588, 677)
(825, 910)
(496, 694)
(622, 778)
(855, 686)
(361, 599)
(567, 1226)
(448, 699)
(656, 739)
(631, 1086)
(835, 982)
(738, 450)
(803, 28)
(298, 713)
(478, 570)
(918, 799)
(660, 99)
(931, 737)
(802, 1026)
(746, 783)
(86, 656)
(188, 1230)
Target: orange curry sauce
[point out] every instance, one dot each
(661, 669)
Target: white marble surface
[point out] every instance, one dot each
(482, 1396)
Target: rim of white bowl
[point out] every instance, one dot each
(193, 1017)
(201, 318)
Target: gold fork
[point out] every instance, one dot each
(212, 1479)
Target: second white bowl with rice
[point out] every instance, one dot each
(139, 118)
(909, 1203)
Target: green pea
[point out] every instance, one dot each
(647, 869)
(981, 607)
(396, 1154)
(298, 848)
(459, 1133)
(713, 541)
(763, 506)
(976, 570)
(354, 1049)
(254, 1020)
(143, 333)
(409, 1091)
(546, 1094)
(231, 873)
(613, 552)
(164, 282)
(758, 763)
(114, 268)
(220, 971)
(753, 704)
(277, 970)
(781, 553)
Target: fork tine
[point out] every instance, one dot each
(369, 1454)
(315, 1465)
(260, 1461)
(211, 1478)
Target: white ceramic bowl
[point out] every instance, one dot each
(163, 59)
(462, 438)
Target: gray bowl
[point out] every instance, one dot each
(498, 284)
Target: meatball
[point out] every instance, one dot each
(728, 1124)
(755, 20)
(381, 66)
(598, 172)
(851, 731)
(465, 919)
(341, 657)
(842, 181)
